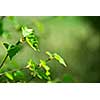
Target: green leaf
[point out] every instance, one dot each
(47, 73)
(32, 40)
(49, 54)
(32, 65)
(43, 64)
(26, 31)
(18, 74)
(8, 75)
(6, 45)
(60, 59)
(42, 75)
(13, 50)
(38, 71)
(39, 76)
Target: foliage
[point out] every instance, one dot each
(41, 70)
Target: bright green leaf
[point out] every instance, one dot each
(32, 40)
(8, 75)
(49, 54)
(60, 59)
(26, 31)
(32, 65)
(43, 64)
(47, 73)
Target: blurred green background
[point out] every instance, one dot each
(75, 38)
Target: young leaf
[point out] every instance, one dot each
(8, 75)
(47, 69)
(43, 64)
(26, 31)
(47, 73)
(49, 54)
(60, 59)
(32, 40)
(32, 65)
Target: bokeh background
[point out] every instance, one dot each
(75, 38)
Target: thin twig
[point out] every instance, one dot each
(3, 61)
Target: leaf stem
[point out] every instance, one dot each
(3, 61)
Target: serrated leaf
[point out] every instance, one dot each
(6, 45)
(60, 59)
(13, 50)
(8, 75)
(32, 40)
(49, 54)
(26, 31)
